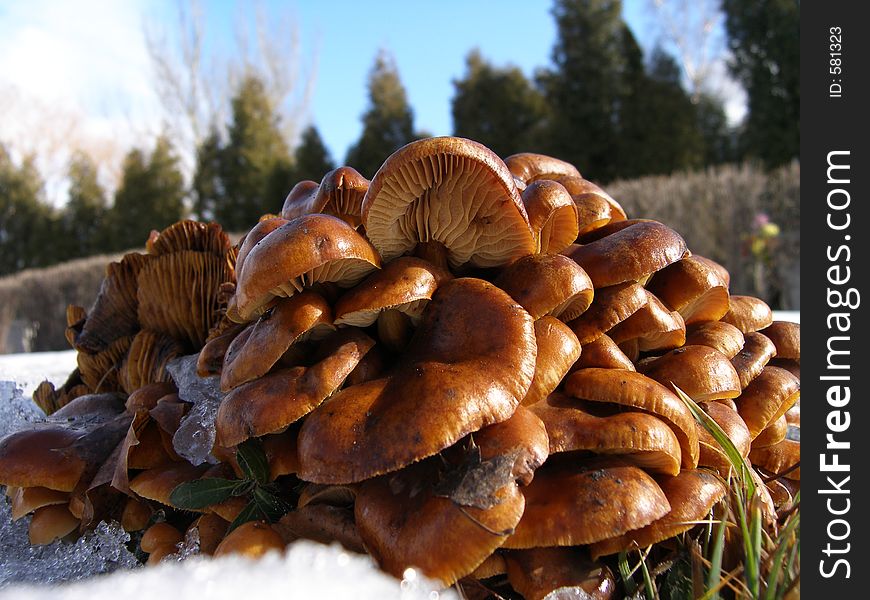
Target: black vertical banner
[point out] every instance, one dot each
(835, 362)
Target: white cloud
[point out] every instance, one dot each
(74, 75)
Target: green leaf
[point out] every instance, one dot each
(270, 505)
(251, 512)
(253, 461)
(193, 495)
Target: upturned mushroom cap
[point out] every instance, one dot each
(27, 500)
(552, 216)
(633, 389)
(469, 365)
(146, 360)
(339, 194)
(190, 235)
(405, 523)
(539, 573)
(272, 402)
(113, 314)
(779, 459)
(298, 254)
(177, 294)
(753, 357)
(452, 191)
(558, 350)
(652, 327)
(252, 539)
(691, 495)
(569, 504)
(405, 284)
(700, 371)
(603, 352)
(548, 284)
(611, 306)
(712, 454)
(692, 288)
(99, 371)
(767, 397)
(529, 167)
(720, 336)
(51, 523)
(630, 254)
(639, 438)
(252, 355)
(786, 337)
(748, 313)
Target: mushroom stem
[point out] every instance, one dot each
(434, 252)
(394, 329)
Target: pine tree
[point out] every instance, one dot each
(27, 223)
(83, 221)
(151, 196)
(207, 187)
(312, 158)
(764, 38)
(255, 164)
(587, 84)
(497, 106)
(388, 123)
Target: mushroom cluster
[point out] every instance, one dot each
(467, 365)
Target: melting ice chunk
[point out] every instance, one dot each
(195, 436)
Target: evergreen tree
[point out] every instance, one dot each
(83, 221)
(764, 38)
(151, 196)
(27, 222)
(312, 158)
(207, 187)
(388, 123)
(255, 164)
(497, 107)
(587, 85)
(713, 126)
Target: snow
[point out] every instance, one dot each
(99, 566)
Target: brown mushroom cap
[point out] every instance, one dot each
(340, 194)
(50, 523)
(529, 167)
(558, 350)
(548, 284)
(99, 371)
(27, 500)
(611, 306)
(540, 573)
(552, 215)
(603, 352)
(772, 434)
(298, 254)
(633, 389)
(523, 435)
(720, 336)
(639, 438)
(723, 272)
(135, 515)
(157, 484)
(748, 313)
(250, 241)
(146, 360)
(405, 524)
(159, 534)
(767, 397)
(691, 495)
(652, 327)
(693, 288)
(252, 539)
(631, 253)
(322, 523)
(595, 207)
(779, 458)
(712, 454)
(469, 365)
(189, 235)
(569, 504)
(452, 191)
(405, 284)
(272, 402)
(252, 355)
(756, 353)
(701, 372)
(786, 336)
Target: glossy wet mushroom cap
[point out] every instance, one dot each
(558, 350)
(748, 313)
(611, 306)
(451, 192)
(552, 216)
(529, 167)
(548, 284)
(252, 539)
(539, 573)
(340, 194)
(603, 352)
(753, 357)
(651, 328)
(724, 337)
(701, 372)
(712, 454)
(692, 288)
(767, 398)
(786, 337)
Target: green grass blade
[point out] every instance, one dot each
(779, 555)
(715, 574)
(625, 571)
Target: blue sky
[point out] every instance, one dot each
(77, 73)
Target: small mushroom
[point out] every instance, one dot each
(712, 454)
(767, 398)
(595, 207)
(611, 306)
(548, 284)
(780, 459)
(652, 327)
(252, 540)
(539, 573)
(552, 216)
(340, 194)
(748, 313)
(718, 335)
(529, 167)
(786, 337)
(603, 352)
(692, 288)
(753, 357)
(51, 523)
(701, 372)
(558, 350)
